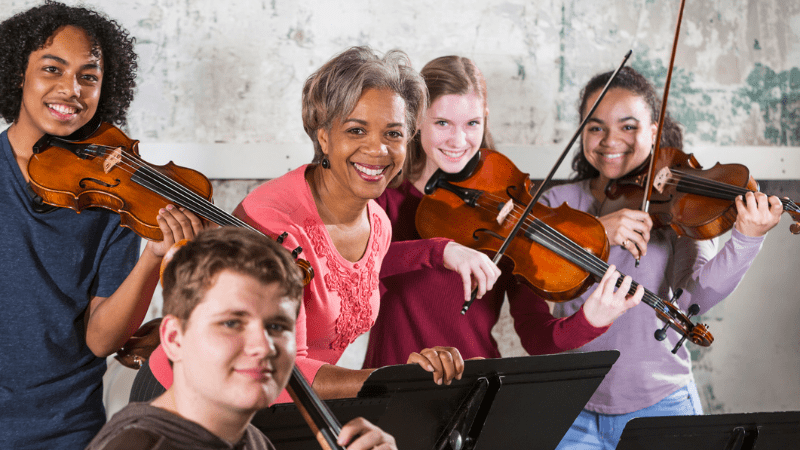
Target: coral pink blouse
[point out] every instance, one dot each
(342, 300)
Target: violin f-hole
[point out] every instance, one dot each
(85, 181)
(487, 231)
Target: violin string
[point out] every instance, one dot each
(184, 196)
(718, 187)
(713, 186)
(580, 256)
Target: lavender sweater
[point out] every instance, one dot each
(646, 370)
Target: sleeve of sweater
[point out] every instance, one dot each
(708, 278)
(409, 256)
(540, 332)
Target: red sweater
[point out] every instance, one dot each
(421, 301)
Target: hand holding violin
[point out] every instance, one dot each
(604, 305)
(176, 224)
(757, 214)
(630, 229)
(475, 268)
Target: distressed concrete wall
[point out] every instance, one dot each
(215, 72)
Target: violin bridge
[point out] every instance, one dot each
(112, 159)
(661, 179)
(505, 211)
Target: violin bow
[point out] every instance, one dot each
(546, 181)
(657, 147)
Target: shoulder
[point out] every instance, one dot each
(124, 431)
(574, 193)
(256, 440)
(278, 204)
(135, 439)
(285, 193)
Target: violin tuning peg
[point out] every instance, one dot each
(678, 345)
(282, 237)
(296, 252)
(694, 309)
(660, 334)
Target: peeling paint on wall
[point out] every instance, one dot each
(232, 71)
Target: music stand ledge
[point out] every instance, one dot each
(526, 402)
(750, 431)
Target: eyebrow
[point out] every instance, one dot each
(448, 120)
(364, 122)
(64, 62)
(624, 119)
(242, 313)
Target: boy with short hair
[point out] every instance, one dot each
(231, 299)
(72, 289)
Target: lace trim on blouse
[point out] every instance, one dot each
(355, 287)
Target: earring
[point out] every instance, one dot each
(325, 163)
(399, 173)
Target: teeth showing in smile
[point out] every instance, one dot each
(452, 154)
(368, 171)
(63, 109)
(612, 155)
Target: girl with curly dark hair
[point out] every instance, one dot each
(647, 379)
(73, 290)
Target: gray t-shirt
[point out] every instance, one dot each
(140, 426)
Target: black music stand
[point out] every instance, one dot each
(525, 402)
(769, 430)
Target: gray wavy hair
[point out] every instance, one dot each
(332, 92)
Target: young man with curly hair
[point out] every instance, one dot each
(72, 289)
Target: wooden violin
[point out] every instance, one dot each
(105, 170)
(696, 203)
(558, 252)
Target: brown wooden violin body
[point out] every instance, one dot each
(696, 203)
(106, 171)
(558, 252)
(445, 213)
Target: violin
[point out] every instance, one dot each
(558, 253)
(105, 170)
(696, 203)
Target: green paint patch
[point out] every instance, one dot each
(708, 114)
(778, 95)
(689, 105)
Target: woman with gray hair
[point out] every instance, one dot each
(359, 110)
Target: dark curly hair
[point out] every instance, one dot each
(632, 81)
(30, 30)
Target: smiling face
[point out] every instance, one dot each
(61, 87)
(619, 135)
(236, 351)
(451, 132)
(366, 149)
